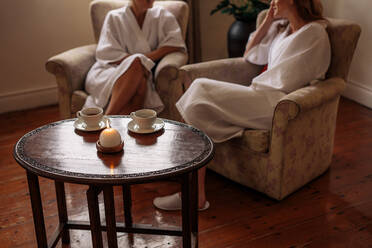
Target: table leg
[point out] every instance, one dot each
(62, 210)
(127, 200)
(37, 210)
(95, 221)
(194, 205)
(108, 195)
(186, 220)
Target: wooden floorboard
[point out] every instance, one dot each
(335, 210)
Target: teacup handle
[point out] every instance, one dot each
(132, 115)
(78, 114)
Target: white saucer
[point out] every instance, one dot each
(82, 126)
(158, 125)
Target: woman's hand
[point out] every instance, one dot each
(262, 29)
(270, 14)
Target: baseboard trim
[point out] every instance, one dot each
(358, 92)
(28, 99)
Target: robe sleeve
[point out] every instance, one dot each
(109, 49)
(170, 33)
(306, 58)
(259, 54)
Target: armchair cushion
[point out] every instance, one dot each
(256, 140)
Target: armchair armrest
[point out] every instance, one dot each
(72, 66)
(70, 69)
(323, 95)
(168, 88)
(314, 95)
(234, 70)
(171, 62)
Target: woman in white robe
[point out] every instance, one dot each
(293, 42)
(132, 39)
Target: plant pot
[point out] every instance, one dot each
(237, 37)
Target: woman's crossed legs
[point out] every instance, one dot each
(129, 91)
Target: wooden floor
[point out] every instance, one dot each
(335, 210)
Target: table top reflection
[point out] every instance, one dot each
(59, 151)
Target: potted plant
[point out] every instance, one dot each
(245, 13)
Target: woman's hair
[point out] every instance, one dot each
(309, 10)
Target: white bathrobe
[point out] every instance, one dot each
(121, 36)
(223, 110)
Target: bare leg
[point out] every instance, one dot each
(126, 87)
(137, 100)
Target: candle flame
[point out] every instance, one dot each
(107, 124)
(112, 166)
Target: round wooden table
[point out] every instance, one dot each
(64, 154)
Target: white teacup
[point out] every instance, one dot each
(91, 116)
(144, 118)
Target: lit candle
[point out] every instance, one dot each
(109, 137)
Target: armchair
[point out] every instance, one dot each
(299, 146)
(71, 67)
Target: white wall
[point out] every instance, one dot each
(213, 31)
(31, 32)
(359, 85)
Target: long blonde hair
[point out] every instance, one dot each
(309, 10)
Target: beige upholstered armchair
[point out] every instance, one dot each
(71, 67)
(299, 146)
